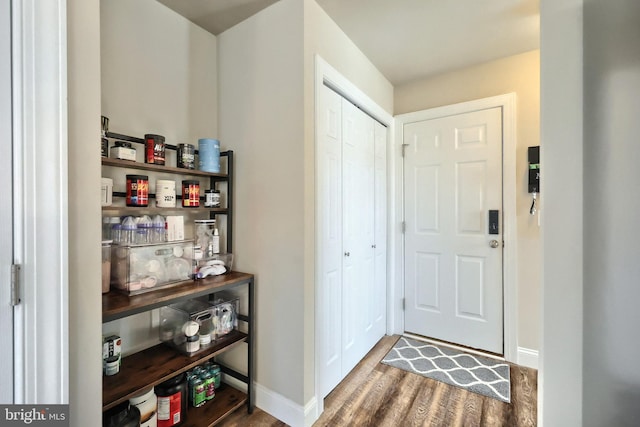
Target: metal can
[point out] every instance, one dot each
(191, 194)
(198, 394)
(186, 156)
(217, 375)
(111, 354)
(154, 149)
(209, 384)
(112, 365)
(137, 190)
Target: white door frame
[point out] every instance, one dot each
(6, 209)
(510, 274)
(326, 73)
(39, 56)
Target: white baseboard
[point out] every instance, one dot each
(528, 357)
(279, 406)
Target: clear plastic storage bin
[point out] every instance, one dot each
(180, 322)
(136, 269)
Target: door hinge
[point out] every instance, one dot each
(403, 304)
(403, 148)
(403, 225)
(15, 284)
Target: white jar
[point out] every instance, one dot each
(147, 403)
(165, 193)
(107, 191)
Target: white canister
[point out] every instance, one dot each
(147, 403)
(107, 191)
(165, 193)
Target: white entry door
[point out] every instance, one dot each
(453, 265)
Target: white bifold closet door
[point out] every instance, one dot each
(352, 232)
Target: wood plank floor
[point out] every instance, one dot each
(374, 394)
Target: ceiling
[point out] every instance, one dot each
(405, 39)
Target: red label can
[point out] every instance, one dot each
(154, 149)
(190, 194)
(137, 190)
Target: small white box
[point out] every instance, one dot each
(175, 228)
(123, 153)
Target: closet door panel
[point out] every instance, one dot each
(329, 135)
(351, 195)
(380, 225)
(353, 199)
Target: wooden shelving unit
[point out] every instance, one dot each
(157, 364)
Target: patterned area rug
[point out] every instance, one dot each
(478, 374)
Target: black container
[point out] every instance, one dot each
(172, 396)
(154, 149)
(104, 142)
(186, 156)
(123, 415)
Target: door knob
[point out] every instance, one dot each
(494, 244)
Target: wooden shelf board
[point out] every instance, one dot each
(227, 400)
(137, 210)
(155, 365)
(107, 161)
(117, 305)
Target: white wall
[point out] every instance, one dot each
(560, 376)
(159, 75)
(261, 118)
(611, 206)
(85, 342)
(158, 72)
(266, 113)
(519, 74)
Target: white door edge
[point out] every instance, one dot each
(41, 365)
(325, 72)
(510, 254)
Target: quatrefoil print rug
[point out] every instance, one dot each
(478, 374)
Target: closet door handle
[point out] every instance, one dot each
(347, 254)
(373, 246)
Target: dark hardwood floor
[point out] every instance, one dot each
(374, 394)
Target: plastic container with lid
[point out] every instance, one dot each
(190, 193)
(209, 155)
(106, 265)
(123, 415)
(106, 186)
(165, 193)
(211, 198)
(172, 401)
(147, 403)
(137, 190)
(154, 149)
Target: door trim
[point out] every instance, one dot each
(510, 251)
(39, 69)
